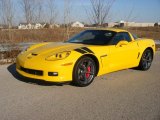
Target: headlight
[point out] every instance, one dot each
(58, 56)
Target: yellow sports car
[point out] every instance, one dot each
(90, 53)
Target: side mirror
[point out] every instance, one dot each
(122, 43)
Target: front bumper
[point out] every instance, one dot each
(42, 70)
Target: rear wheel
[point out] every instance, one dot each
(146, 60)
(84, 72)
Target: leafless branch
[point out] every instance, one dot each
(28, 8)
(7, 11)
(52, 9)
(39, 16)
(99, 10)
(67, 15)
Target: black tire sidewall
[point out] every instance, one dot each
(141, 62)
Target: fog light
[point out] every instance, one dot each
(52, 73)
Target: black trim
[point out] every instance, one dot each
(104, 55)
(138, 55)
(87, 49)
(80, 51)
(31, 71)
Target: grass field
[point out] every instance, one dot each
(54, 35)
(158, 47)
(59, 34)
(38, 35)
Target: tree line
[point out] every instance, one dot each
(35, 10)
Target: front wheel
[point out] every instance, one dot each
(146, 60)
(84, 72)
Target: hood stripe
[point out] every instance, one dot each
(87, 49)
(84, 50)
(80, 51)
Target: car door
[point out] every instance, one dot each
(122, 56)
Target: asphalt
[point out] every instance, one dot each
(125, 95)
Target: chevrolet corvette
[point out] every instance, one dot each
(88, 54)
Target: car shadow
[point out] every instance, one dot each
(135, 69)
(12, 69)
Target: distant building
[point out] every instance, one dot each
(104, 25)
(77, 24)
(113, 24)
(39, 25)
(157, 24)
(54, 25)
(25, 26)
(130, 24)
(133, 24)
(31, 25)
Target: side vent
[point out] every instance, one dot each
(138, 55)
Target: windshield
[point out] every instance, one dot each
(93, 37)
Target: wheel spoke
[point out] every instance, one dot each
(148, 55)
(145, 64)
(146, 60)
(91, 73)
(149, 60)
(82, 67)
(88, 64)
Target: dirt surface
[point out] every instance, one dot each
(124, 95)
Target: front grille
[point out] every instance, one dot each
(31, 71)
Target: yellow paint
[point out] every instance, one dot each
(111, 58)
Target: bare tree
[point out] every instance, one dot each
(28, 7)
(52, 9)
(39, 10)
(0, 12)
(99, 10)
(130, 16)
(7, 11)
(67, 16)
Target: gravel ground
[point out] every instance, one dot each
(124, 95)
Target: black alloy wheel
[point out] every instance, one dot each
(146, 60)
(84, 72)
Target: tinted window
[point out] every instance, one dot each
(126, 37)
(119, 37)
(95, 37)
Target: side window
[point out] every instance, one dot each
(126, 36)
(119, 37)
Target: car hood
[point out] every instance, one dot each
(56, 47)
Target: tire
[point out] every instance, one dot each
(146, 60)
(84, 72)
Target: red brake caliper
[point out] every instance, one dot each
(88, 72)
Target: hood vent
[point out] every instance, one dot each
(34, 54)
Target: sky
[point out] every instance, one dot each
(143, 11)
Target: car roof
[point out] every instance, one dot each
(112, 29)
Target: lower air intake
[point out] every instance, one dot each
(31, 71)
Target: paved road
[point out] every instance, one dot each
(123, 95)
